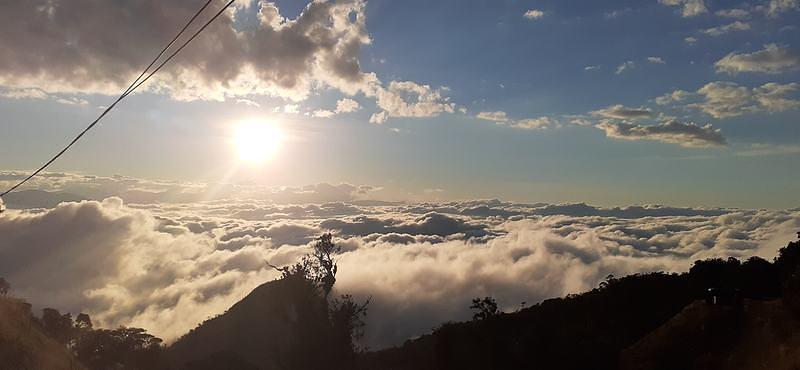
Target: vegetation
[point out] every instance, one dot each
(644, 320)
(590, 330)
(297, 322)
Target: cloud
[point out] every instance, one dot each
(24, 93)
(673, 97)
(50, 188)
(625, 66)
(53, 48)
(733, 13)
(656, 60)
(590, 68)
(773, 59)
(248, 102)
(533, 14)
(145, 267)
(345, 105)
(777, 7)
(690, 40)
(501, 118)
(622, 112)
(497, 116)
(761, 150)
(690, 8)
(535, 123)
(673, 132)
(728, 99)
(721, 30)
(409, 99)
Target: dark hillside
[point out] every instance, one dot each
(24, 343)
(590, 330)
(577, 332)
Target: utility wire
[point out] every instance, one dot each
(133, 86)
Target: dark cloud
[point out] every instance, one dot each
(622, 112)
(429, 224)
(673, 132)
(87, 46)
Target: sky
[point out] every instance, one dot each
(455, 149)
(684, 102)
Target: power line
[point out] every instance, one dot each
(134, 85)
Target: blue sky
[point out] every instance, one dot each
(568, 103)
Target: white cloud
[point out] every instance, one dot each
(728, 99)
(690, 40)
(345, 105)
(248, 102)
(169, 267)
(72, 101)
(672, 132)
(777, 7)
(24, 93)
(590, 68)
(622, 112)
(535, 123)
(656, 60)
(673, 97)
(291, 108)
(409, 99)
(772, 59)
(501, 118)
(721, 30)
(533, 14)
(497, 116)
(625, 66)
(689, 8)
(733, 13)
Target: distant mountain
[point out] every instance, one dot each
(24, 344)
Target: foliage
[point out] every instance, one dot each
(100, 349)
(130, 348)
(485, 308)
(347, 318)
(589, 330)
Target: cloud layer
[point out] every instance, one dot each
(168, 266)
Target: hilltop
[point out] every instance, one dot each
(24, 343)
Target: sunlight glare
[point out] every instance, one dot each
(257, 141)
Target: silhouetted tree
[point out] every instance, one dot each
(4, 287)
(57, 326)
(83, 322)
(609, 280)
(122, 348)
(319, 267)
(347, 319)
(324, 332)
(485, 308)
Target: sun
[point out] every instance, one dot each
(257, 141)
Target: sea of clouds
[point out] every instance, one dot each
(166, 256)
